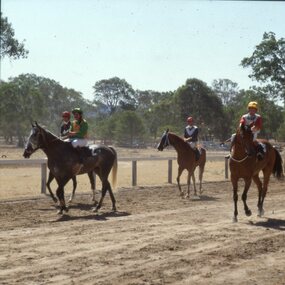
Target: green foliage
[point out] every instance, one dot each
(268, 65)
(114, 93)
(129, 128)
(225, 89)
(10, 46)
(196, 99)
(29, 98)
(18, 105)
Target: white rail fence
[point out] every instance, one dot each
(134, 161)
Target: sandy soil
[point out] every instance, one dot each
(155, 238)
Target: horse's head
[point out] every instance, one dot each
(246, 137)
(35, 140)
(164, 142)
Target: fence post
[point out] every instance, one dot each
(44, 177)
(169, 171)
(226, 168)
(134, 173)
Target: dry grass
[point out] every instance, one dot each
(17, 182)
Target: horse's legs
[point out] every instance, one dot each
(92, 182)
(180, 170)
(188, 185)
(106, 186)
(244, 196)
(50, 178)
(194, 183)
(262, 190)
(60, 194)
(73, 190)
(201, 171)
(235, 198)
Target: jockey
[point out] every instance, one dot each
(66, 124)
(191, 136)
(79, 129)
(78, 132)
(254, 121)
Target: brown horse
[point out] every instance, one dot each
(245, 164)
(64, 162)
(186, 159)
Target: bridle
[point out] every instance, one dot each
(240, 133)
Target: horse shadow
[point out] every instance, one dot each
(276, 224)
(96, 216)
(204, 198)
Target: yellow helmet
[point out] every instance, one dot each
(252, 104)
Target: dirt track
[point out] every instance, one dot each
(155, 238)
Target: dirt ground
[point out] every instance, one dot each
(155, 237)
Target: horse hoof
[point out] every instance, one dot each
(248, 213)
(94, 209)
(235, 219)
(260, 213)
(59, 212)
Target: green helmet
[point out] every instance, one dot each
(77, 110)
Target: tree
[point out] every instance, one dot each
(268, 65)
(19, 104)
(9, 45)
(225, 89)
(196, 99)
(114, 93)
(129, 128)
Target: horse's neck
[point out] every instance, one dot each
(51, 143)
(238, 150)
(177, 142)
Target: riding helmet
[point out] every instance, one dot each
(66, 114)
(77, 110)
(189, 119)
(253, 105)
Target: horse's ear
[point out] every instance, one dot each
(167, 130)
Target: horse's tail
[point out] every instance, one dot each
(278, 167)
(114, 169)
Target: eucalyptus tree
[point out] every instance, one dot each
(225, 89)
(10, 46)
(115, 93)
(198, 100)
(19, 104)
(268, 65)
(129, 128)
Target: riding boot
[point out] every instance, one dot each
(80, 154)
(259, 152)
(197, 154)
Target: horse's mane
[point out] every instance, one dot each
(50, 136)
(180, 140)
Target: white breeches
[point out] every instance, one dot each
(78, 142)
(193, 144)
(255, 135)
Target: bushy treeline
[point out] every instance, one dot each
(119, 114)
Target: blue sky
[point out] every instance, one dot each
(152, 44)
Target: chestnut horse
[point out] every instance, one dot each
(186, 159)
(64, 162)
(244, 164)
